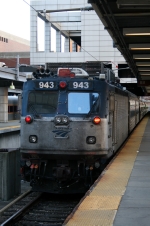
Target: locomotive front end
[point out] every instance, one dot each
(63, 132)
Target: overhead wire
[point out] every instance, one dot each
(30, 5)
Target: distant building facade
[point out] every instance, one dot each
(11, 46)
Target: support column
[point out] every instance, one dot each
(58, 41)
(10, 185)
(33, 32)
(3, 104)
(74, 47)
(66, 44)
(47, 37)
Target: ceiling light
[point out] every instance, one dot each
(12, 86)
(132, 4)
(141, 57)
(140, 48)
(136, 31)
(144, 73)
(144, 69)
(143, 64)
(145, 46)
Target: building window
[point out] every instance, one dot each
(114, 45)
(4, 39)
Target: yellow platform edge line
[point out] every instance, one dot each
(10, 127)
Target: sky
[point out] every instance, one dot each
(15, 17)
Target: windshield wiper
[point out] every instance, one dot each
(35, 114)
(92, 108)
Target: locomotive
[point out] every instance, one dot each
(71, 125)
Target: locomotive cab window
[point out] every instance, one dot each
(83, 103)
(42, 102)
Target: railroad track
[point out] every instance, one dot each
(40, 209)
(36, 209)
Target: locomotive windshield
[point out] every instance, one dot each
(82, 103)
(42, 102)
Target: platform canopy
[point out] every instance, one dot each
(128, 23)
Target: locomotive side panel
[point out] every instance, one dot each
(133, 111)
(121, 119)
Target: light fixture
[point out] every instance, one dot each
(141, 57)
(145, 46)
(132, 4)
(12, 86)
(136, 31)
(147, 87)
(145, 73)
(144, 69)
(143, 64)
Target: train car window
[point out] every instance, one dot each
(82, 103)
(11, 108)
(41, 102)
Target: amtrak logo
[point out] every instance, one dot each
(61, 133)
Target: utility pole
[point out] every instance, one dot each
(17, 67)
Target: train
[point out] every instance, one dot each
(13, 113)
(71, 125)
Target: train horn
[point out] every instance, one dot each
(47, 72)
(42, 71)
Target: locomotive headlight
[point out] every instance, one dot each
(91, 140)
(28, 163)
(33, 139)
(97, 165)
(58, 120)
(61, 120)
(65, 120)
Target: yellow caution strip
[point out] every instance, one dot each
(9, 127)
(100, 206)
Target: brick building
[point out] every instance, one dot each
(11, 46)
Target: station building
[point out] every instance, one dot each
(85, 37)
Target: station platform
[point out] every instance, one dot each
(121, 195)
(9, 126)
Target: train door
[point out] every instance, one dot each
(19, 103)
(112, 118)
